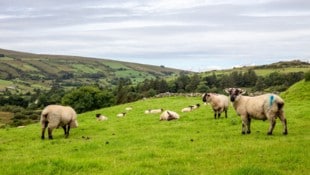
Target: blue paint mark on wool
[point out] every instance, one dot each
(271, 100)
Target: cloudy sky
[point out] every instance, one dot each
(193, 35)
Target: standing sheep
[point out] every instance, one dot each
(262, 107)
(169, 115)
(54, 116)
(218, 102)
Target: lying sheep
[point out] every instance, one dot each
(128, 108)
(121, 114)
(169, 115)
(196, 106)
(54, 116)
(101, 117)
(187, 109)
(262, 107)
(153, 111)
(219, 103)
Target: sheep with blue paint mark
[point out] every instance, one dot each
(262, 107)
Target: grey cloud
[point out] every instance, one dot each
(238, 29)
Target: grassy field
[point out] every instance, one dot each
(141, 144)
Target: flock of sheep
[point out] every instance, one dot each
(262, 107)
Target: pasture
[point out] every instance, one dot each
(141, 144)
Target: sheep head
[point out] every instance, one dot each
(234, 93)
(205, 97)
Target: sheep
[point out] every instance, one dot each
(101, 117)
(195, 106)
(262, 107)
(54, 116)
(187, 109)
(153, 111)
(121, 114)
(169, 115)
(219, 103)
(128, 108)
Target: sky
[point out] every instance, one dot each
(195, 35)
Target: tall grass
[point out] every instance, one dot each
(141, 144)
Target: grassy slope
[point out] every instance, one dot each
(141, 144)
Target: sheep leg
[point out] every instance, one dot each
(65, 130)
(244, 124)
(243, 128)
(218, 115)
(215, 114)
(68, 129)
(43, 129)
(249, 125)
(272, 125)
(284, 123)
(225, 113)
(50, 133)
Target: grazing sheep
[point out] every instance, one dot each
(219, 103)
(262, 107)
(54, 116)
(121, 114)
(169, 115)
(153, 111)
(101, 117)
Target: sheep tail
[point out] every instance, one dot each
(280, 105)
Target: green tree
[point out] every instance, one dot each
(88, 98)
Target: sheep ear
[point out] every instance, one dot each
(228, 90)
(242, 91)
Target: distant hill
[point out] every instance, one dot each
(22, 71)
(262, 70)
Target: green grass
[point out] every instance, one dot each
(141, 144)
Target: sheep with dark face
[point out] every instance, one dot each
(187, 109)
(121, 114)
(101, 117)
(54, 116)
(262, 107)
(219, 103)
(153, 111)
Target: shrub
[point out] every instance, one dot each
(307, 76)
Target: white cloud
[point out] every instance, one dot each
(214, 33)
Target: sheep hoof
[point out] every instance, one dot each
(285, 133)
(51, 138)
(269, 133)
(248, 132)
(243, 132)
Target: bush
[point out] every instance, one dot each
(307, 76)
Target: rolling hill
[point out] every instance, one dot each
(27, 71)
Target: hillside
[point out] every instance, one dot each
(263, 70)
(141, 144)
(26, 71)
